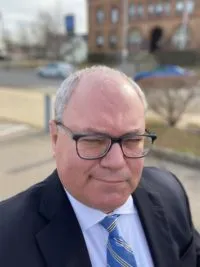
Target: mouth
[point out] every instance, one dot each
(111, 181)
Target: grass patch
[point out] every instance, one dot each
(177, 139)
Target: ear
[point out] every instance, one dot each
(54, 134)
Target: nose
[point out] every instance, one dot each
(114, 159)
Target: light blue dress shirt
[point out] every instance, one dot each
(96, 237)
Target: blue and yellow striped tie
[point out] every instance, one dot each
(119, 252)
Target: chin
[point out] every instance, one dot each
(113, 202)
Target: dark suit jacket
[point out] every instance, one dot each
(38, 227)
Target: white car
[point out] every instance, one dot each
(55, 70)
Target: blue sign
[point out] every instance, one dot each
(69, 24)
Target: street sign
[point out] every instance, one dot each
(70, 24)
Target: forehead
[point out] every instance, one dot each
(104, 99)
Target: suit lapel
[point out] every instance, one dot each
(156, 228)
(61, 240)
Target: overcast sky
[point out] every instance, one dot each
(24, 11)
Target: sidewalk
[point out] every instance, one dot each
(26, 158)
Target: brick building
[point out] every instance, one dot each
(129, 25)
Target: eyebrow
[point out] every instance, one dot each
(91, 130)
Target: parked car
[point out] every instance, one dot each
(55, 70)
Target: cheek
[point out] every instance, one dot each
(64, 148)
(65, 153)
(136, 167)
(72, 170)
(74, 173)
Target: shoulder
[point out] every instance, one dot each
(164, 187)
(162, 181)
(19, 208)
(168, 190)
(20, 221)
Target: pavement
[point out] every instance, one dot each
(26, 158)
(26, 78)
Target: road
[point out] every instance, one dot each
(25, 78)
(17, 78)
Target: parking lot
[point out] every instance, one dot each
(25, 78)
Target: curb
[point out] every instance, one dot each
(177, 157)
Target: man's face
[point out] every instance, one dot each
(105, 104)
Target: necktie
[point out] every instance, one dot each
(119, 252)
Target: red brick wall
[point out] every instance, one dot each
(168, 23)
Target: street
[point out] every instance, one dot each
(26, 78)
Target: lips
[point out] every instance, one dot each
(110, 181)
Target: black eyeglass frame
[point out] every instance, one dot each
(118, 140)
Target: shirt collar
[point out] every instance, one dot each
(88, 216)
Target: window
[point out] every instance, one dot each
(114, 15)
(134, 41)
(179, 6)
(134, 37)
(140, 10)
(132, 10)
(190, 6)
(136, 10)
(100, 40)
(159, 9)
(113, 41)
(100, 16)
(167, 8)
(151, 9)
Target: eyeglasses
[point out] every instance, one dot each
(95, 146)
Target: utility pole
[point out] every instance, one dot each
(125, 31)
(2, 37)
(185, 22)
(2, 26)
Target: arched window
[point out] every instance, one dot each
(167, 7)
(159, 9)
(132, 11)
(190, 6)
(113, 40)
(140, 10)
(180, 6)
(100, 16)
(114, 15)
(151, 9)
(99, 40)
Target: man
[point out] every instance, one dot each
(101, 207)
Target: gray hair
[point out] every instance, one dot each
(68, 86)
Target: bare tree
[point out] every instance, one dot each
(7, 40)
(69, 50)
(24, 39)
(48, 33)
(169, 98)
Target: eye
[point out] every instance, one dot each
(133, 142)
(94, 140)
(92, 146)
(134, 139)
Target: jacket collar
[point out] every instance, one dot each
(61, 240)
(155, 224)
